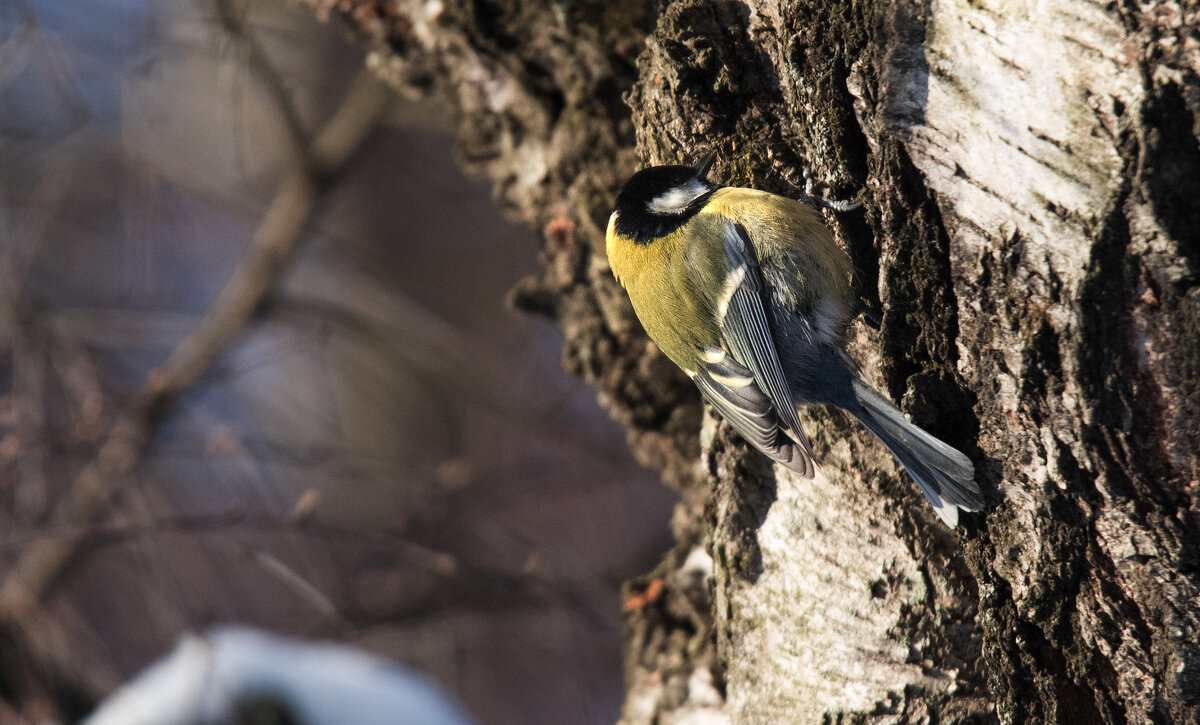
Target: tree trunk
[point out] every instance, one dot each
(1031, 179)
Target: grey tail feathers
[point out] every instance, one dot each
(944, 475)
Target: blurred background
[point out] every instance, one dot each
(379, 453)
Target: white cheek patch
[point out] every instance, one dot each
(676, 200)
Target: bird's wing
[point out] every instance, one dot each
(748, 386)
(731, 389)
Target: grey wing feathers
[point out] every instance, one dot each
(752, 415)
(747, 331)
(747, 386)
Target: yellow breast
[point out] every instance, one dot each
(666, 282)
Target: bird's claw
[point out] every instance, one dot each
(838, 205)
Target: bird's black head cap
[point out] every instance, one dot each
(658, 200)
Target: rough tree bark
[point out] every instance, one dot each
(1031, 179)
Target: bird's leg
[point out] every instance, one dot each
(861, 308)
(809, 198)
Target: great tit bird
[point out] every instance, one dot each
(750, 295)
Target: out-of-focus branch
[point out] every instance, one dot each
(19, 336)
(275, 239)
(233, 19)
(460, 581)
(101, 534)
(328, 150)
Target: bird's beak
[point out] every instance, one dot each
(703, 165)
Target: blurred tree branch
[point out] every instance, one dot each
(354, 440)
(94, 486)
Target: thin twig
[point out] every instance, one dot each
(100, 535)
(306, 590)
(234, 21)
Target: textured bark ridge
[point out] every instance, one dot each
(1031, 179)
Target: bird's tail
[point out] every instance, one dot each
(944, 475)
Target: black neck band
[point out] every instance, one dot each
(643, 226)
